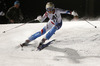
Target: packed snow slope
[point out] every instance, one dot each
(77, 43)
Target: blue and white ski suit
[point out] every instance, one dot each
(53, 24)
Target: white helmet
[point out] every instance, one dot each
(50, 5)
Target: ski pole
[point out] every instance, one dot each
(17, 26)
(91, 24)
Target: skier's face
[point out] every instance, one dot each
(50, 11)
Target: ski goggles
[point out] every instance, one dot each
(49, 9)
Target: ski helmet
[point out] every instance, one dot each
(50, 5)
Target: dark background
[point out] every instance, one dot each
(32, 8)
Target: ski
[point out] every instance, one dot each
(41, 47)
(34, 46)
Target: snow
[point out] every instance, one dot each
(76, 44)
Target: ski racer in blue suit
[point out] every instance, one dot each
(54, 23)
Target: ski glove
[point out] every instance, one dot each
(74, 13)
(39, 18)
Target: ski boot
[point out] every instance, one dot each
(25, 44)
(41, 43)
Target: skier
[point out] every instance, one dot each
(54, 24)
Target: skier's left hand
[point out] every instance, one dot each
(74, 13)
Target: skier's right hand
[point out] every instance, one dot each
(39, 18)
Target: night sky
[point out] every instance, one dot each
(38, 7)
(33, 8)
